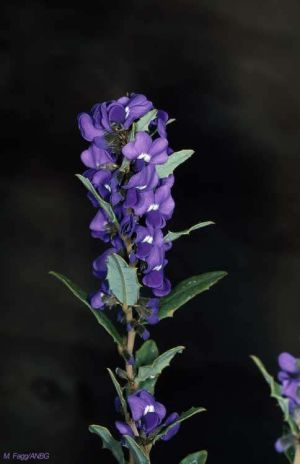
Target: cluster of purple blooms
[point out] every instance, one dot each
(289, 378)
(122, 168)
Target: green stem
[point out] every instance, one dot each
(297, 455)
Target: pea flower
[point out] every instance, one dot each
(148, 415)
(144, 148)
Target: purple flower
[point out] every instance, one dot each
(136, 106)
(100, 263)
(289, 377)
(160, 123)
(148, 415)
(284, 443)
(153, 305)
(145, 179)
(144, 148)
(94, 157)
(123, 428)
(96, 300)
(99, 226)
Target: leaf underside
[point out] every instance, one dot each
(153, 370)
(122, 280)
(199, 457)
(174, 160)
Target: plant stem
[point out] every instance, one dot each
(297, 455)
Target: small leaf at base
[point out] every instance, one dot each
(109, 442)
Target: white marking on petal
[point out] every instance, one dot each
(145, 157)
(127, 111)
(148, 239)
(157, 268)
(107, 187)
(153, 207)
(142, 187)
(149, 408)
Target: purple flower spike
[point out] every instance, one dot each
(144, 148)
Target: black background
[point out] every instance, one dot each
(229, 73)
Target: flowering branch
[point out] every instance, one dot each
(129, 178)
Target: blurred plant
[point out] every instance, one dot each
(129, 181)
(287, 395)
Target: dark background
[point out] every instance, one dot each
(229, 73)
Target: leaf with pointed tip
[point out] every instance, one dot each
(122, 279)
(104, 205)
(186, 290)
(109, 442)
(99, 315)
(184, 416)
(290, 454)
(143, 123)
(196, 458)
(146, 354)
(153, 370)
(119, 392)
(139, 456)
(174, 160)
(170, 121)
(275, 388)
(171, 236)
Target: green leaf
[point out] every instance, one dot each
(174, 160)
(104, 205)
(99, 315)
(143, 123)
(119, 392)
(290, 454)
(153, 370)
(149, 385)
(283, 403)
(186, 290)
(171, 236)
(122, 280)
(196, 458)
(184, 416)
(109, 442)
(146, 354)
(170, 121)
(139, 456)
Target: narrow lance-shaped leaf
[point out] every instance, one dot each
(184, 416)
(171, 236)
(283, 403)
(122, 280)
(160, 363)
(99, 315)
(104, 205)
(146, 354)
(170, 121)
(139, 456)
(196, 458)
(174, 160)
(186, 290)
(119, 392)
(109, 442)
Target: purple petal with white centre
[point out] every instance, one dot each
(145, 179)
(144, 200)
